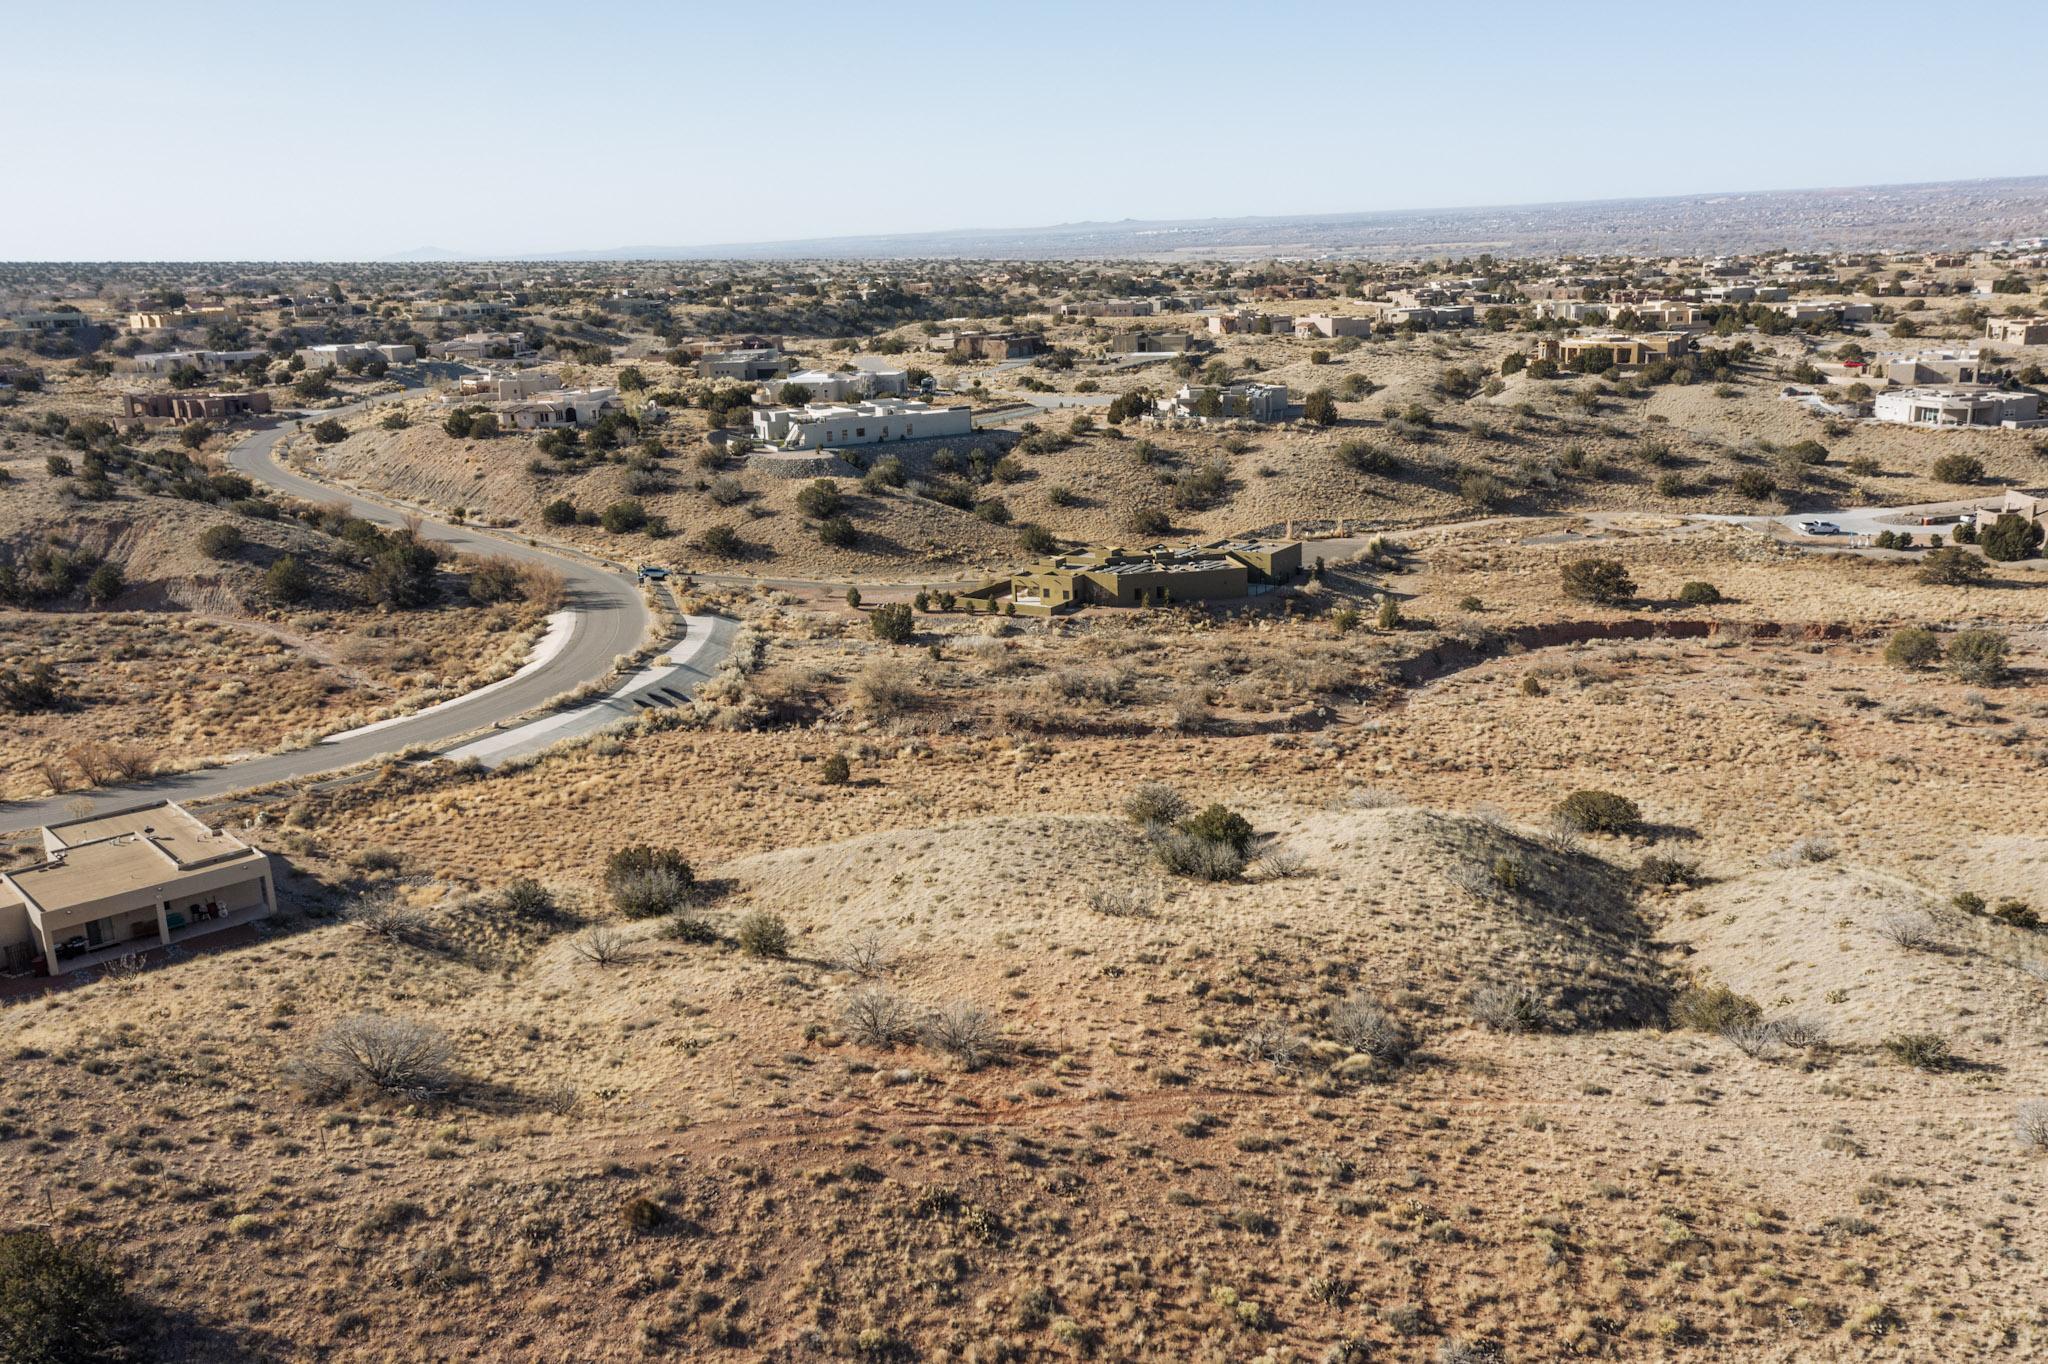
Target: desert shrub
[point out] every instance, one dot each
(877, 1018)
(330, 432)
(1715, 1009)
(624, 516)
(1602, 581)
(2030, 1125)
(1920, 1050)
(104, 584)
(601, 945)
(383, 915)
(560, 512)
(24, 691)
(1662, 869)
(820, 499)
(528, 899)
(495, 579)
(868, 954)
(1508, 1007)
(1220, 824)
(1952, 567)
(1155, 803)
(646, 882)
(836, 770)
(893, 622)
(370, 1054)
(63, 1302)
(1755, 484)
(1914, 932)
(223, 541)
(1699, 594)
(966, 1032)
(1360, 1024)
(1913, 646)
(1810, 849)
(1976, 656)
(761, 934)
(1959, 468)
(2016, 912)
(1204, 859)
(1368, 458)
(1599, 812)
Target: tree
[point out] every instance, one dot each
(853, 597)
(893, 623)
(330, 432)
(560, 512)
(287, 581)
(1599, 812)
(483, 426)
(1952, 567)
(1319, 408)
(223, 541)
(819, 499)
(1976, 656)
(1912, 647)
(631, 379)
(62, 1302)
(2010, 537)
(459, 422)
(1604, 582)
(1959, 468)
(403, 574)
(1699, 594)
(105, 584)
(624, 516)
(723, 541)
(839, 532)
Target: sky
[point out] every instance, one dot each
(356, 131)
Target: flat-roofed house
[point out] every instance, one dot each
(1626, 351)
(194, 407)
(1246, 399)
(820, 426)
(1964, 405)
(2017, 331)
(562, 407)
(836, 386)
(1159, 576)
(1323, 324)
(748, 366)
(127, 881)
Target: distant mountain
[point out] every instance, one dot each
(1957, 213)
(426, 253)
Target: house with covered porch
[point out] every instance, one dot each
(113, 884)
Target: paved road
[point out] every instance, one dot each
(609, 619)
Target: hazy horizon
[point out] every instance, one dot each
(387, 131)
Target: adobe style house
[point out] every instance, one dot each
(482, 346)
(989, 345)
(1627, 351)
(193, 407)
(113, 884)
(509, 386)
(820, 426)
(1245, 400)
(748, 366)
(1225, 570)
(2018, 331)
(1134, 341)
(161, 364)
(1323, 324)
(838, 386)
(562, 407)
(1111, 307)
(1963, 405)
(337, 354)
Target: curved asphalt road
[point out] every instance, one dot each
(610, 619)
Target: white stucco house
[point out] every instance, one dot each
(819, 426)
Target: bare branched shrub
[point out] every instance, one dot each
(2030, 1125)
(373, 1054)
(868, 954)
(966, 1032)
(1914, 932)
(877, 1018)
(601, 945)
(561, 1099)
(1373, 798)
(131, 762)
(1120, 902)
(1360, 1024)
(1273, 1043)
(1155, 803)
(1508, 1007)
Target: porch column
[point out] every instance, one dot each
(163, 924)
